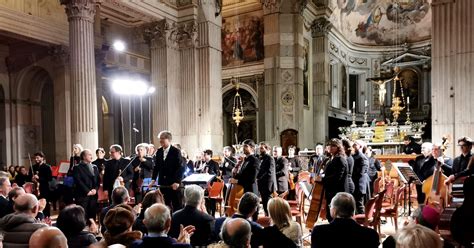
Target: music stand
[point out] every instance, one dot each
(407, 176)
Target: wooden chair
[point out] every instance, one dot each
(28, 187)
(392, 211)
(215, 193)
(371, 217)
(377, 185)
(389, 196)
(297, 206)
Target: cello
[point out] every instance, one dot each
(433, 187)
(318, 201)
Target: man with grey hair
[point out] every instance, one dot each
(423, 166)
(193, 214)
(236, 233)
(158, 222)
(343, 231)
(18, 227)
(5, 187)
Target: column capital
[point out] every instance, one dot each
(80, 9)
(320, 27)
(171, 34)
(271, 6)
(300, 5)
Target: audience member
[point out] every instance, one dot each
(22, 177)
(191, 215)
(418, 236)
(119, 196)
(12, 195)
(235, 233)
(248, 205)
(461, 222)
(150, 198)
(118, 222)
(5, 188)
(343, 231)
(284, 230)
(72, 221)
(158, 222)
(18, 227)
(48, 237)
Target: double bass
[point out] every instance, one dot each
(318, 201)
(433, 187)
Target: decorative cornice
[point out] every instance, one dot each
(171, 34)
(271, 6)
(320, 27)
(80, 9)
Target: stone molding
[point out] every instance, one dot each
(80, 9)
(320, 27)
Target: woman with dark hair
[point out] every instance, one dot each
(150, 198)
(347, 144)
(335, 175)
(72, 221)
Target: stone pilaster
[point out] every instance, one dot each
(84, 127)
(164, 77)
(284, 48)
(321, 97)
(452, 74)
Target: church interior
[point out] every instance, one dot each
(387, 76)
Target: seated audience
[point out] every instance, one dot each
(22, 177)
(48, 237)
(284, 229)
(119, 196)
(118, 222)
(248, 205)
(72, 221)
(12, 195)
(5, 188)
(418, 236)
(343, 231)
(191, 215)
(158, 223)
(150, 198)
(18, 227)
(235, 233)
(462, 228)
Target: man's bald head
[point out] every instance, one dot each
(26, 203)
(48, 237)
(157, 218)
(236, 232)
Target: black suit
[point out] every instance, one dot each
(335, 179)
(350, 169)
(85, 181)
(169, 171)
(212, 167)
(423, 167)
(344, 233)
(247, 175)
(4, 205)
(460, 165)
(203, 223)
(227, 166)
(266, 179)
(111, 172)
(45, 175)
(361, 180)
(164, 242)
(281, 172)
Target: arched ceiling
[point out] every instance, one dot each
(382, 22)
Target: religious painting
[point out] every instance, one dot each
(305, 73)
(410, 82)
(289, 137)
(242, 39)
(383, 22)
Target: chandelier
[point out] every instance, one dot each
(237, 108)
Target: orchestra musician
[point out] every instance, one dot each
(228, 164)
(335, 174)
(446, 162)
(423, 166)
(266, 176)
(281, 170)
(168, 169)
(210, 166)
(142, 168)
(293, 161)
(115, 166)
(460, 163)
(317, 159)
(43, 175)
(360, 176)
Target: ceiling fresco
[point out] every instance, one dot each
(382, 22)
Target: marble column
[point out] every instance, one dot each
(84, 127)
(452, 69)
(321, 98)
(284, 48)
